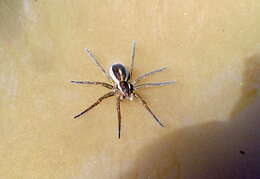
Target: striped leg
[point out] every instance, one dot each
(93, 83)
(118, 116)
(154, 84)
(147, 74)
(94, 59)
(148, 109)
(96, 103)
(132, 58)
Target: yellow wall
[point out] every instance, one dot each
(211, 48)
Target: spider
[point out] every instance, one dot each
(121, 86)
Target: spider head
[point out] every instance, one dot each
(126, 89)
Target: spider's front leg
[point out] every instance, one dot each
(118, 115)
(96, 103)
(144, 85)
(148, 109)
(147, 74)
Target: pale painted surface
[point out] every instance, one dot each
(211, 48)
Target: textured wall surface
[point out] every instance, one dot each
(211, 48)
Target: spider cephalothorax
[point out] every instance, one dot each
(122, 87)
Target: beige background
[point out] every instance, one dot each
(211, 48)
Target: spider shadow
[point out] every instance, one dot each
(215, 150)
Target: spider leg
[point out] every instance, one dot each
(148, 109)
(96, 103)
(94, 59)
(147, 74)
(154, 84)
(93, 83)
(133, 58)
(118, 115)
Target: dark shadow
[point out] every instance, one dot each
(250, 84)
(216, 150)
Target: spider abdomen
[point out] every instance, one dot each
(118, 73)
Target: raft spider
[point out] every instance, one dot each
(121, 86)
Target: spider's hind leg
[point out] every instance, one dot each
(94, 59)
(132, 59)
(106, 85)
